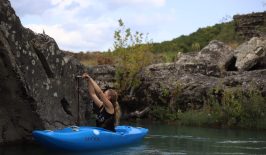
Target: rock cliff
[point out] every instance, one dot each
(38, 89)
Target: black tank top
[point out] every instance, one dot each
(105, 120)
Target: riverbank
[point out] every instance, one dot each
(235, 109)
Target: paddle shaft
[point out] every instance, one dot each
(78, 121)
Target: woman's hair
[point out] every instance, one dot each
(113, 99)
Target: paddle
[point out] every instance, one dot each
(77, 78)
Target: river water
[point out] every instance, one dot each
(165, 139)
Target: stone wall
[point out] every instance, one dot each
(251, 25)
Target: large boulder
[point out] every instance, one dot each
(251, 54)
(212, 60)
(38, 89)
(166, 84)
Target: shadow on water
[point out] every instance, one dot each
(171, 139)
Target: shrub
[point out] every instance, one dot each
(239, 108)
(230, 107)
(131, 55)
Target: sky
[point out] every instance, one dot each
(89, 25)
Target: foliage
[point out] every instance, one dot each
(239, 108)
(195, 47)
(131, 55)
(165, 92)
(235, 108)
(162, 113)
(224, 32)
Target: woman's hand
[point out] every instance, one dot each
(85, 76)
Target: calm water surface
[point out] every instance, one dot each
(164, 139)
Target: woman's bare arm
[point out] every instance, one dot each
(92, 93)
(93, 87)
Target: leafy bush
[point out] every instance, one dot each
(131, 55)
(238, 108)
(162, 113)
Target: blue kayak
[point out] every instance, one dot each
(88, 138)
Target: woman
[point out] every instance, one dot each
(108, 114)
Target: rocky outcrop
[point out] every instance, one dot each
(187, 83)
(212, 60)
(38, 89)
(251, 55)
(104, 75)
(251, 25)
